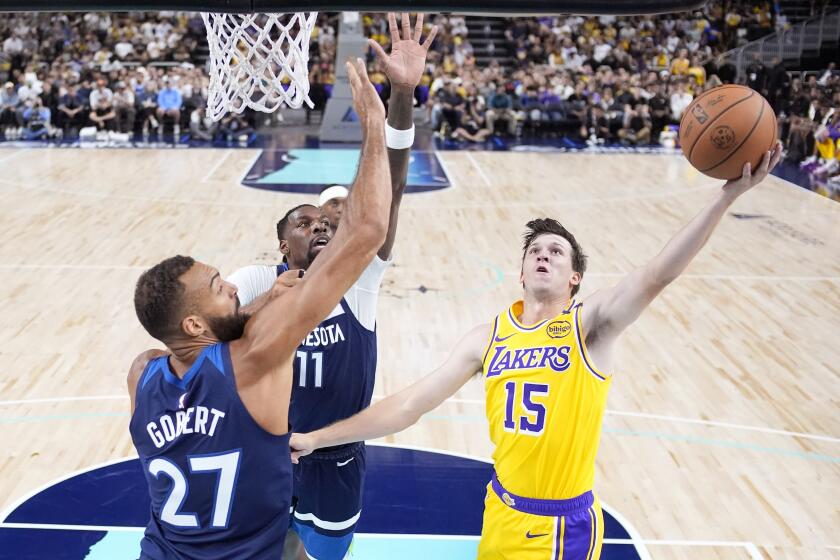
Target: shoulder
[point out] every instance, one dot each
(139, 365)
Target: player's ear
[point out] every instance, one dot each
(193, 326)
(522, 275)
(284, 247)
(575, 279)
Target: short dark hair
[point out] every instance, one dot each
(542, 226)
(284, 221)
(159, 296)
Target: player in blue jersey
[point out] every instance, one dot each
(335, 364)
(210, 417)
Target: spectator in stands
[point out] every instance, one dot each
(124, 108)
(680, 100)
(680, 64)
(235, 127)
(9, 105)
(451, 107)
(500, 107)
(36, 120)
(202, 127)
(636, 128)
(102, 107)
(71, 113)
(757, 75)
(169, 105)
(147, 107)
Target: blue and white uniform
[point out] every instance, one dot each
(220, 485)
(334, 374)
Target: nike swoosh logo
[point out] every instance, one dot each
(497, 339)
(528, 535)
(345, 462)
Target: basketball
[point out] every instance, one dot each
(726, 127)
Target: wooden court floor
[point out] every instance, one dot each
(722, 438)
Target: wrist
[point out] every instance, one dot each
(403, 90)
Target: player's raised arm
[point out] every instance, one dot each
(609, 312)
(400, 410)
(277, 329)
(404, 68)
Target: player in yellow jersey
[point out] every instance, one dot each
(546, 363)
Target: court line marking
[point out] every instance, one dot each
(645, 415)
(216, 166)
(479, 169)
(495, 268)
(629, 527)
(636, 540)
(15, 154)
(26, 496)
(441, 161)
(683, 420)
(401, 536)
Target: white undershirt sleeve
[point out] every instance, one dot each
(252, 281)
(363, 296)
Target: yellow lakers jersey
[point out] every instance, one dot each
(545, 402)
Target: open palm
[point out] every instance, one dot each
(404, 66)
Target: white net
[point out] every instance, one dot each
(258, 61)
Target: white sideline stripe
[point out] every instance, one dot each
(328, 525)
(15, 154)
(449, 175)
(24, 266)
(479, 169)
(680, 419)
(380, 536)
(216, 167)
(66, 399)
(17, 503)
(57, 527)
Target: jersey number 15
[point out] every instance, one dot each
(533, 421)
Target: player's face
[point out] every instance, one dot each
(333, 209)
(307, 233)
(214, 304)
(547, 267)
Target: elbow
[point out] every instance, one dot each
(409, 414)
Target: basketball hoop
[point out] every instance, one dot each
(258, 61)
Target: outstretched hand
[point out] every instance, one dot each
(366, 101)
(747, 180)
(404, 66)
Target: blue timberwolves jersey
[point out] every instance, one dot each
(220, 485)
(335, 365)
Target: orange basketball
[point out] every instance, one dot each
(726, 127)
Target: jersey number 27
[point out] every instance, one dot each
(227, 465)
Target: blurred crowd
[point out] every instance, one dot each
(130, 73)
(583, 80)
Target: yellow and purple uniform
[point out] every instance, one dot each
(544, 401)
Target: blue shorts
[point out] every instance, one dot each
(327, 500)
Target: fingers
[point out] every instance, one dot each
(418, 27)
(361, 70)
(377, 48)
(406, 26)
(745, 173)
(392, 25)
(763, 166)
(428, 42)
(352, 76)
(777, 155)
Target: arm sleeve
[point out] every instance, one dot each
(252, 281)
(362, 298)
